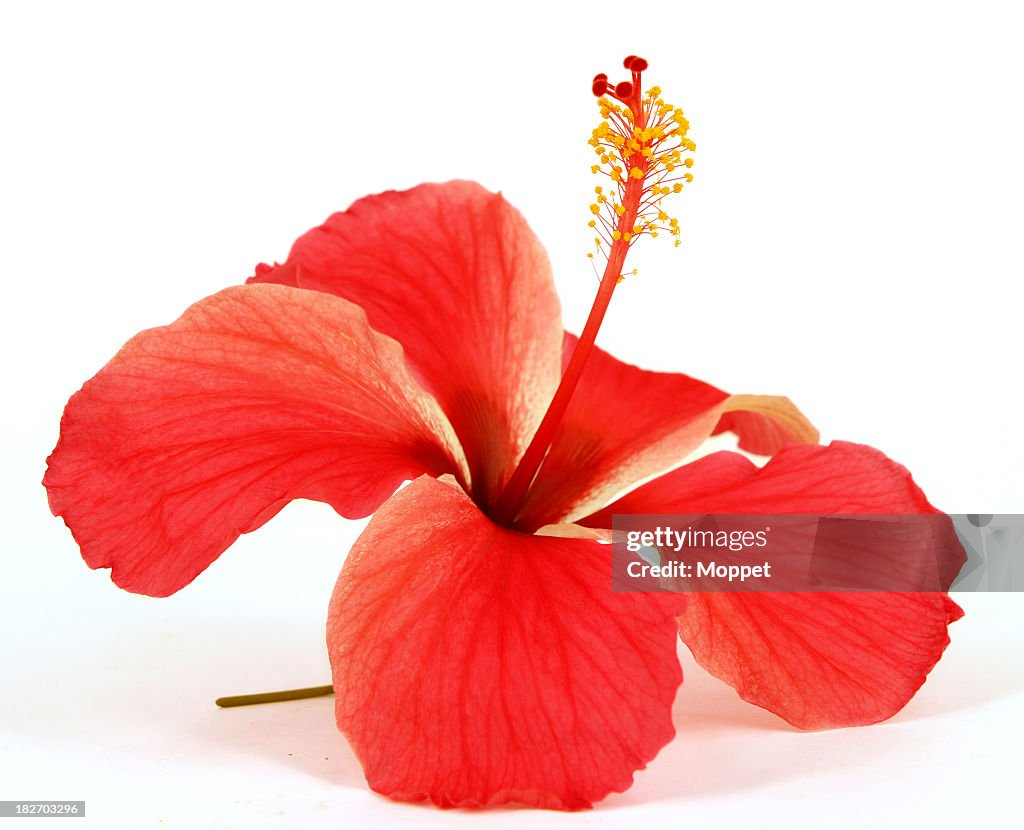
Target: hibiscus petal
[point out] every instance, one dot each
(817, 660)
(820, 660)
(624, 424)
(201, 430)
(765, 424)
(474, 665)
(455, 275)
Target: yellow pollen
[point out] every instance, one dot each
(644, 150)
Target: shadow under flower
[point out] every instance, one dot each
(152, 691)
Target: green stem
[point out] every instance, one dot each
(274, 697)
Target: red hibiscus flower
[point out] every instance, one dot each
(479, 655)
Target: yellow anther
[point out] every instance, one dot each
(638, 151)
(599, 190)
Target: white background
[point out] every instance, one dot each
(852, 240)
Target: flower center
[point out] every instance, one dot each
(640, 143)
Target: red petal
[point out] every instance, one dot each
(624, 424)
(838, 478)
(203, 429)
(477, 666)
(456, 276)
(766, 423)
(817, 660)
(820, 660)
